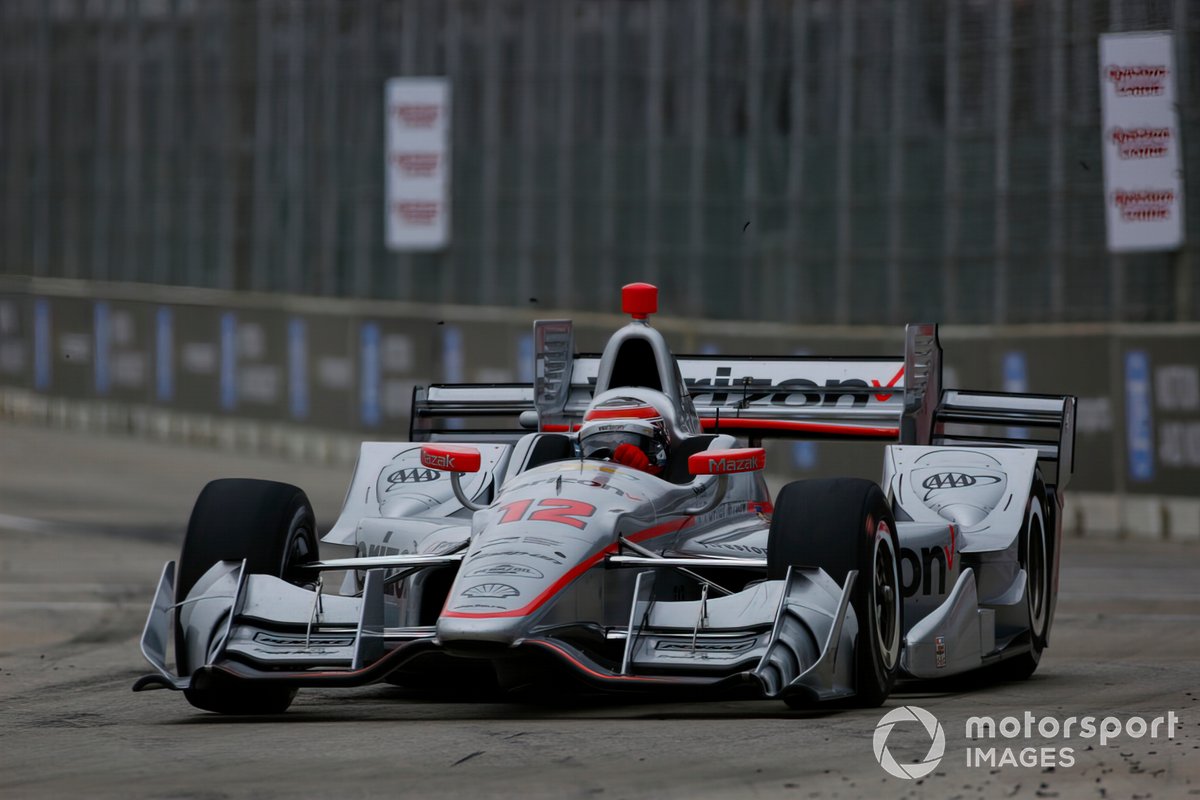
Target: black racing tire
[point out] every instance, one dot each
(244, 700)
(271, 525)
(1036, 558)
(839, 525)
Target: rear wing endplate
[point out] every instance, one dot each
(1000, 419)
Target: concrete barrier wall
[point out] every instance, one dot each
(308, 378)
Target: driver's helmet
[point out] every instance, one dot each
(615, 428)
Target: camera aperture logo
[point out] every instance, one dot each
(937, 745)
(1017, 737)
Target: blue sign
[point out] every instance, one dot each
(1016, 379)
(1016, 376)
(42, 363)
(1139, 422)
(452, 364)
(164, 350)
(452, 354)
(298, 368)
(804, 455)
(228, 361)
(369, 367)
(525, 358)
(100, 333)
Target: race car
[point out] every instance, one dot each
(609, 528)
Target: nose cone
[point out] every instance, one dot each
(477, 633)
(548, 528)
(511, 575)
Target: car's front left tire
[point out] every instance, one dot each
(272, 527)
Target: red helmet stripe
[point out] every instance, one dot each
(629, 412)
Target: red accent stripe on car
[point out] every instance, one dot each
(737, 424)
(628, 412)
(606, 676)
(580, 568)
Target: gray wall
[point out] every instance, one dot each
(350, 366)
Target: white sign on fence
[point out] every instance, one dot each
(417, 163)
(1143, 169)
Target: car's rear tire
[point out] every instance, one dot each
(270, 525)
(1036, 558)
(839, 525)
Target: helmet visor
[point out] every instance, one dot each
(604, 443)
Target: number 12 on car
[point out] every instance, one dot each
(551, 509)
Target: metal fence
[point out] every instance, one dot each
(796, 160)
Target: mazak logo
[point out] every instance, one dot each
(933, 728)
(437, 460)
(414, 475)
(721, 466)
(451, 459)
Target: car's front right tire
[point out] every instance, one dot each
(839, 525)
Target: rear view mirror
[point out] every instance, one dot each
(726, 462)
(450, 457)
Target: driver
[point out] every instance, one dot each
(627, 432)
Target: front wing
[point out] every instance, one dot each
(794, 636)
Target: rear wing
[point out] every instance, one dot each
(809, 397)
(994, 419)
(798, 397)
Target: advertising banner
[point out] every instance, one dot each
(1143, 171)
(417, 163)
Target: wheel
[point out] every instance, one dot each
(245, 699)
(839, 525)
(271, 526)
(1035, 557)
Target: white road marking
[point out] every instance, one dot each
(1100, 616)
(29, 587)
(27, 524)
(60, 605)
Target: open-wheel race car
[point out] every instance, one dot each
(610, 527)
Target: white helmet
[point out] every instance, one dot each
(625, 421)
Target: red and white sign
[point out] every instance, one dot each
(1143, 166)
(417, 163)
